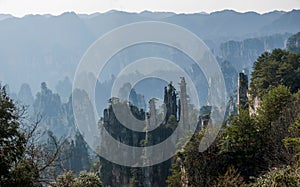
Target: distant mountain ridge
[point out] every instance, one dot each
(5, 16)
(48, 48)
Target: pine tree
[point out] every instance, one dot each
(12, 140)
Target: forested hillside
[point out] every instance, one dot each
(253, 149)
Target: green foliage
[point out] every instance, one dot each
(24, 160)
(232, 178)
(24, 173)
(273, 69)
(274, 118)
(248, 146)
(85, 179)
(199, 168)
(174, 180)
(66, 179)
(240, 135)
(273, 104)
(12, 140)
(285, 176)
(240, 144)
(251, 145)
(293, 141)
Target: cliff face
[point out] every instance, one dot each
(237, 56)
(239, 98)
(175, 110)
(293, 43)
(242, 54)
(230, 75)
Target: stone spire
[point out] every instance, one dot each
(170, 101)
(152, 118)
(242, 98)
(183, 107)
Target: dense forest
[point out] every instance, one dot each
(259, 144)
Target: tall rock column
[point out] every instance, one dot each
(170, 102)
(183, 109)
(242, 92)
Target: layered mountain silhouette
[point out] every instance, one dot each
(38, 48)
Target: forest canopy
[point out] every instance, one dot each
(258, 149)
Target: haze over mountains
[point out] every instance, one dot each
(48, 48)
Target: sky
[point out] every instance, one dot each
(20, 8)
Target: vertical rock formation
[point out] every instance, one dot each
(120, 175)
(170, 102)
(176, 109)
(182, 104)
(152, 117)
(242, 91)
(232, 105)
